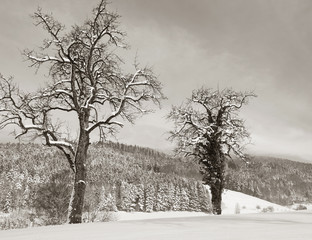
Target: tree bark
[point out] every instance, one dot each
(77, 201)
(216, 198)
(214, 176)
(217, 185)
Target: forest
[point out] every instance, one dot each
(35, 182)
(276, 180)
(36, 188)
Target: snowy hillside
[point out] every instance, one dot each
(235, 201)
(232, 203)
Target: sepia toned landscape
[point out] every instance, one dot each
(161, 120)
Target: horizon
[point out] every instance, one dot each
(263, 46)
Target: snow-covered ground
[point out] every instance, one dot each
(268, 226)
(282, 224)
(232, 200)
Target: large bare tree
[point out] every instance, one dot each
(86, 81)
(208, 129)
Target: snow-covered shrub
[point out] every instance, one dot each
(17, 219)
(300, 207)
(100, 216)
(268, 209)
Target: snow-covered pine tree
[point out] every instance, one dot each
(149, 192)
(157, 201)
(171, 196)
(184, 200)
(193, 197)
(103, 204)
(125, 198)
(114, 197)
(162, 197)
(177, 199)
(204, 198)
(139, 198)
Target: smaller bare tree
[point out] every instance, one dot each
(208, 129)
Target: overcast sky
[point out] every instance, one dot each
(264, 46)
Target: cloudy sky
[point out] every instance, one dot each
(259, 45)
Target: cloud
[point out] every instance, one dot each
(259, 45)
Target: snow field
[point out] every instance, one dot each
(269, 226)
(286, 224)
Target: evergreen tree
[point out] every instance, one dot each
(184, 200)
(140, 198)
(171, 196)
(149, 197)
(193, 197)
(177, 199)
(204, 198)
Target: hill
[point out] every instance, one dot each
(35, 183)
(277, 180)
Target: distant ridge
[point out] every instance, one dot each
(278, 180)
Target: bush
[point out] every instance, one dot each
(52, 198)
(268, 209)
(300, 207)
(99, 216)
(17, 219)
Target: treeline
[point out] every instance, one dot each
(277, 180)
(36, 181)
(144, 180)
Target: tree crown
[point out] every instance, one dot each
(209, 120)
(86, 78)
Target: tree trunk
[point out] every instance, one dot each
(216, 198)
(217, 185)
(77, 200)
(214, 177)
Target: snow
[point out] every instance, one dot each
(230, 201)
(81, 181)
(291, 225)
(246, 203)
(124, 216)
(283, 224)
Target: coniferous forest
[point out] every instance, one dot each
(36, 183)
(276, 180)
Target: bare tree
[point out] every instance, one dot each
(87, 80)
(208, 129)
